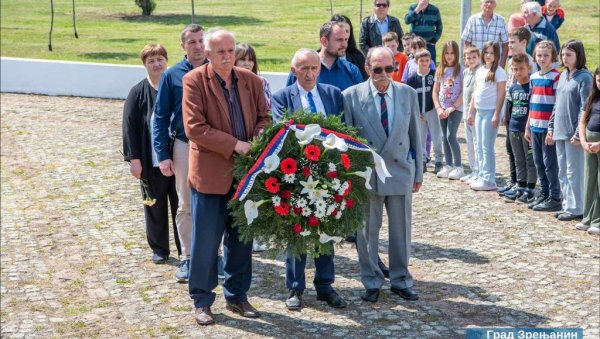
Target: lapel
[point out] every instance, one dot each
(398, 117)
(325, 100)
(370, 111)
(295, 99)
(245, 95)
(217, 92)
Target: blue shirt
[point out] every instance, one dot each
(167, 112)
(382, 26)
(342, 75)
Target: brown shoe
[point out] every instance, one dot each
(204, 316)
(244, 309)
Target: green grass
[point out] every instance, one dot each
(112, 31)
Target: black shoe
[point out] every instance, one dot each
(351, 238)
(438, 167)
(294, 301)
(405, 293)
(525, 198)
(568, 217)
(512, 194)
(383, 268)
(332, 299)
(159, 258)
(371, 295)
(508, 186)
(537, 200)
(424, 166)
(549, 205)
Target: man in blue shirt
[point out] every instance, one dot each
(374, 27)
(540, 28)
(168, 120)
(335, 71)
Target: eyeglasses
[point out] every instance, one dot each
(381, 5)
(387, 69)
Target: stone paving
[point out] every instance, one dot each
(75, 262)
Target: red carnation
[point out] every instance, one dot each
(283, 209)
(349, 203)
(334, 213)
(312, 152)
(286, 194)
(288, 166)
(272, 185)
(332, 174)
(297, 210)
(338, 198)
(347, 191)
(345, 161)
(297, 228)
(313, 221)
(306, 171)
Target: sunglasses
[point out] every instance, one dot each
(387, 69)
(381, 5)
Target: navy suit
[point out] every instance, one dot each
(288, 100)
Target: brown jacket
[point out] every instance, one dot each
(207, 125)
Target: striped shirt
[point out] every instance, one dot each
(541, 102)
(426, 24)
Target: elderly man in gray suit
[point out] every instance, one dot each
(386, 114)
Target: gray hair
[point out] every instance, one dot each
(193, 28)
(301, 52)
(376, 49)
(532, 7)
(214, 32)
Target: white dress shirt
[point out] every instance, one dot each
(316, 98)
(389, 101)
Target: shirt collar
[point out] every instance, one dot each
(381, 21)
(375, 92)
(303, 92)
(222, 82)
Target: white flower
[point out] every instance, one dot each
(338, 216)
(251, 209)
(306, 136)
(343, 205)
(271, 163)
(306, 212)
(331, 167)
(309, 186)
(330, 209)
(332, 141)
(324, 238)
(276, 200)
(366, 174)
(319, 213)
(343, 188)
(305, 233)
(319, 195)
(301, 203)
(320, 204)
(289, 178)
(336, 184)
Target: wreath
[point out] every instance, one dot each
(303, 185)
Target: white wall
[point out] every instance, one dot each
(81, 78)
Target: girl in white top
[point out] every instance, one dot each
(487, 102)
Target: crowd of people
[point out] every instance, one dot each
(183, 125)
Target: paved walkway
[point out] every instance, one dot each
(75, 263)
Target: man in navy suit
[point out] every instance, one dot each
(307, 94)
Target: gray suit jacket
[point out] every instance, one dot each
(402, 150)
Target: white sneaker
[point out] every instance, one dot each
(443, 173)
(594, 230)
(456, 173)
(481, 185)
(464, 178)
(472, 179)
(582, 227)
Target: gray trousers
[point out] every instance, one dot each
(399, 211)
(451, 146)
(431, 120)
(570, 176)
(526, 171)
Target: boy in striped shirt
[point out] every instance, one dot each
(541, 103)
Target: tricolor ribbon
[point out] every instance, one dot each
(275, 145)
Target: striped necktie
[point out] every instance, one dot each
(384, 114)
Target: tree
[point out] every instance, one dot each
(147, 6)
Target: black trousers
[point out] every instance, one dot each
(509, 151)
(163, 190)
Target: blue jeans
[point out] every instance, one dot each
(207, 233)
(324, 273)
(570, 174)
(546, 164)
(431, 49)
(486, 138)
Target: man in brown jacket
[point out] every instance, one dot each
(223, 108)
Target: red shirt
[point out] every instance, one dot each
(401, 59)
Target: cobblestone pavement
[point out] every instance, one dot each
(75, 262)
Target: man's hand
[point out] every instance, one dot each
(242, 147)
(421, 5)
(135, 168)
(417, 186)
(549, 140)
(167, 168)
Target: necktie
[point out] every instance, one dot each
(384, 114)
(311, 103)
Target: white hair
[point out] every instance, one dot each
(215, 32)
(532, 7)
(301, 52)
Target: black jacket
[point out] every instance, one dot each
(370, 36)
